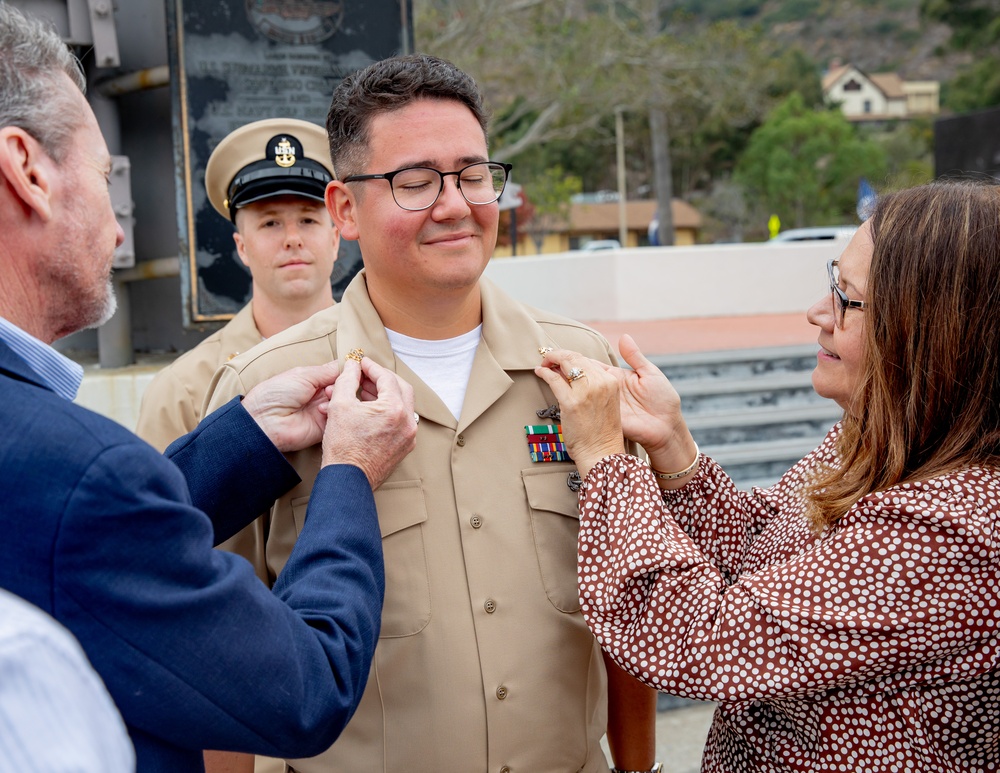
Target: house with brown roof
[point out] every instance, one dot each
(880, 96)
(593, 221)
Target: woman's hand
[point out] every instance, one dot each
(587, 392)
(649, 408)
(651, 414)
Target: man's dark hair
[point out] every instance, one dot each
(387, 85)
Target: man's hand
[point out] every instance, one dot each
(370, 422)
(291, 407)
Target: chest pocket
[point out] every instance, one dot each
(555, 523)
(402, 512)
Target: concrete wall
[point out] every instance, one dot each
(671, 282)
(115, 392)
(645, 283)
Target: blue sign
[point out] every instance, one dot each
(866, 200)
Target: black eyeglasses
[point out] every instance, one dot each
(841, 303)
(418, 187)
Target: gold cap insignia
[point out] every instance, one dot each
(284, 153)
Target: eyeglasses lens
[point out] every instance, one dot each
(419, 188)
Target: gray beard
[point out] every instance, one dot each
(110, 306)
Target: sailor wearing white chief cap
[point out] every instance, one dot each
(268, 178)
(278, 156)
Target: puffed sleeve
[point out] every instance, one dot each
(892, 588)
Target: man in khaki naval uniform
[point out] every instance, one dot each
(268, 177)
(484, 662)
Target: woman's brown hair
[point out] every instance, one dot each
(928, 398)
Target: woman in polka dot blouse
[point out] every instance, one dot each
(848, 618)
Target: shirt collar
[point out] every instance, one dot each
(510, 329)
(59, 373)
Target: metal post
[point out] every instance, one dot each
(622, 194)
(114, 337)
(404, 19)
(513, 232)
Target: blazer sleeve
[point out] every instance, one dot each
(192, 646)
(233, 470)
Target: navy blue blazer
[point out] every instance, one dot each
(106, 535)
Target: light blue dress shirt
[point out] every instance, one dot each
(55, 714)
(59, 372)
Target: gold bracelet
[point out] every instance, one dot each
(675, 475)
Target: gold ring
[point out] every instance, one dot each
(356, 355)
(575, 374)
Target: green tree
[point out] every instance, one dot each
(975, 87)
(909, 152)
(974, 23)
(544, 66)
(805, 165)
(556, 71)
(975, 26)
(551, 192)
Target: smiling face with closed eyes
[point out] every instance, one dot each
(416, 261)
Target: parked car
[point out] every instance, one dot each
(601, 244)
(819, 233)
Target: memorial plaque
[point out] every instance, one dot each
(238, 61)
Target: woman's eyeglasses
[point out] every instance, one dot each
(841, 303)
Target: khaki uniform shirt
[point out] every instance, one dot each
(484, 662)
(172, 403)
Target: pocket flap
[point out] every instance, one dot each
(400, 504)
(548, 490)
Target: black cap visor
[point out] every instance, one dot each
(265, 181)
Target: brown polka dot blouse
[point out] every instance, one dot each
(872, 648)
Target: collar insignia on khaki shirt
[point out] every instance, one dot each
(552, 412)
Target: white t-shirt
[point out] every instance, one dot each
(443, 365)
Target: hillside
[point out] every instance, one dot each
(875, 35)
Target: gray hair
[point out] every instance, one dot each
(32, 57)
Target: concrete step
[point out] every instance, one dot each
(723, 393)
(736, 363)
(790, 449)
(751, 378)
(761, 463)
(768, 422)
(753, 410)
(827, 410)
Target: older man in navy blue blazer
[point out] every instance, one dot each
(111, 538)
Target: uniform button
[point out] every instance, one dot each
(476, 521)
(501, 692)
(505, 769)
(461, 440)
(490, 606)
